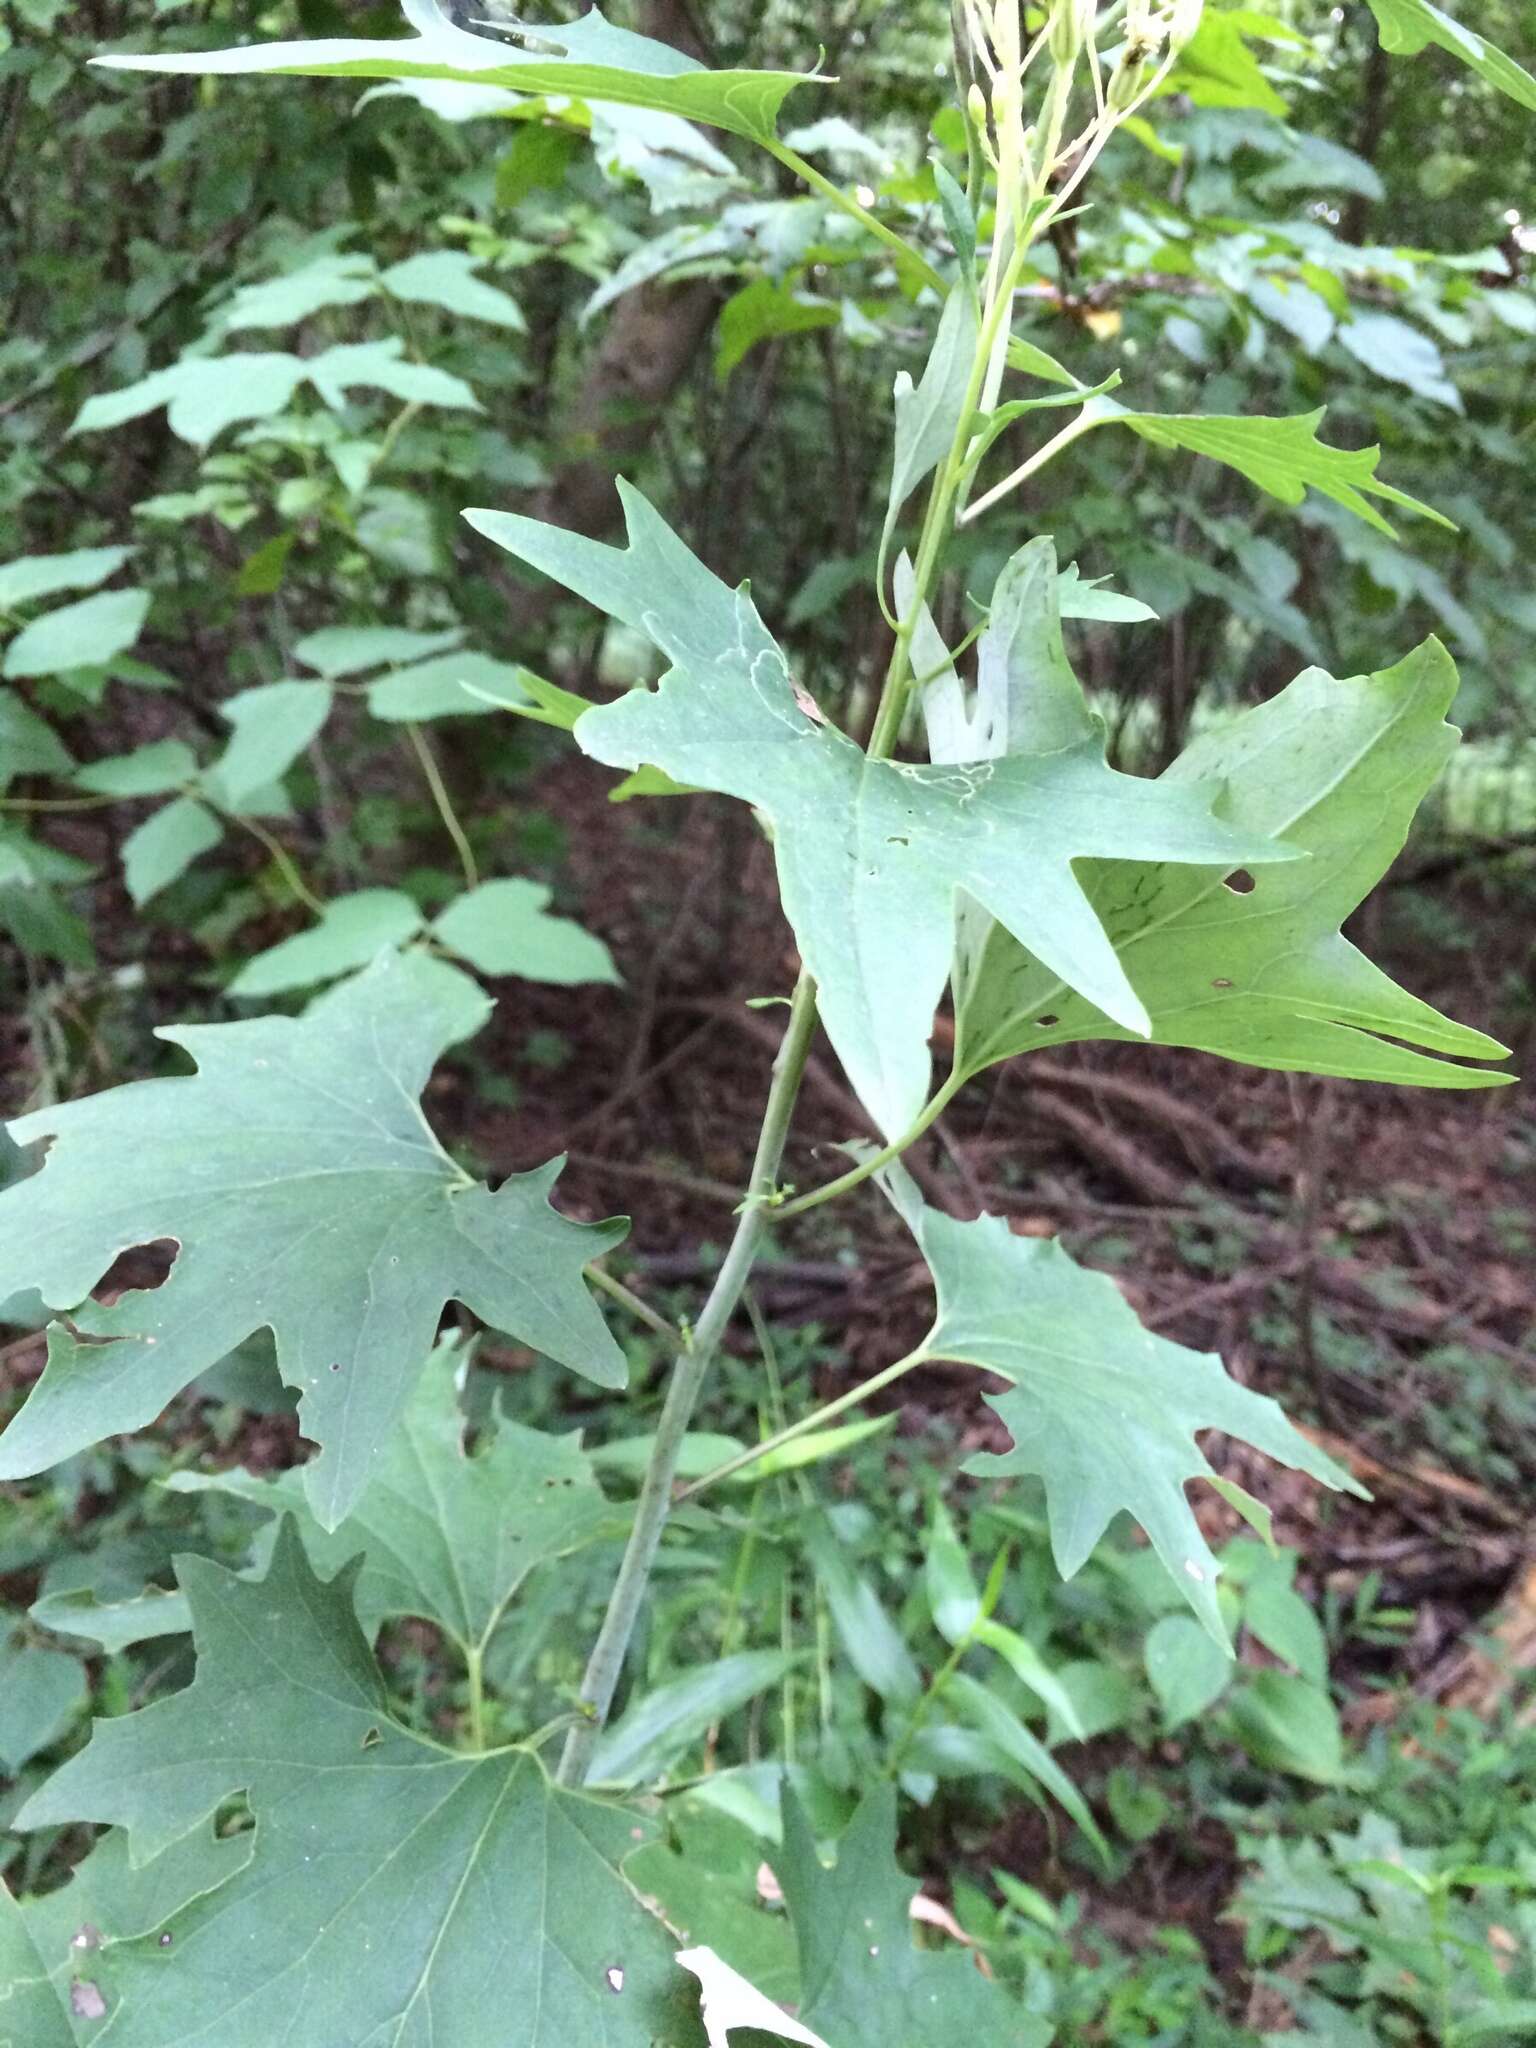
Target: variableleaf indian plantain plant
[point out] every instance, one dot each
(384, 1888)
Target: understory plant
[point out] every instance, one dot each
(288, 1854)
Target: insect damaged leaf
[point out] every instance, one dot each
(306, 1194)
(396, 1891)
(587, 59)
(873, 855)
(1254, 967)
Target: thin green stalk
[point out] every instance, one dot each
(857, 1175)
(640, 1310)
(862, 1392)
(692, 1369)
(793, 161)
(284, 862)
(474, 1662)
(444, 803)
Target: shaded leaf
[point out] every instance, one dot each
(160, 851)
(463, 685)
(1186, 1670)
(308, 1196)
(872, 855)
(34, 576)
(1281, 456)
(86, 634)
(871, 1641)
(504, 927)
(1254, 967)
(152, 770)
(387, 1874)
(864, 1982)
(1408, 26)
(1100, 1410)
(352, 931)
(41, 1691)
(444, 1533)
(1291, 1725)
(659, 1726)
(446, 278)
(273, 725)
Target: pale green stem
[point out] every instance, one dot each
(857, 1175)
(606, 1662)
(474, 1663)
(651, 1509)
(1073, 431)
(444, 803)
(793, 161)
(283, 861)
(862, 1392)
(640, 1310)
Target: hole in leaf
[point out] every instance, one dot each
(372, 1739)
(1241, 883)
(1221, 981)
(898, 842)
(1047, 1023)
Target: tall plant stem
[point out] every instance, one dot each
(688, 1377)
(606, 1662)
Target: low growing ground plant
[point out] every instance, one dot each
(289, 1852)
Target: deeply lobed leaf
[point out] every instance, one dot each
(307, 1194)
(1101, 1411)
(396, 1893)
(874, 856)
(1265, 977)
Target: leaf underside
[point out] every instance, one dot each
(587, 59)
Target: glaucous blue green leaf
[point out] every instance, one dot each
(396, 1892)
(152, 770)
(1101, 1411)
(1254, 967)
(273, 724)
(160, 851)
(873, 856)
(864, 1983)
(34, 576)
(1185, 1669)
(32, 2008)
(586, 59)
(444, 1533)
(352, 931)
(504, 927)
(41, 1691)
(307, 1195)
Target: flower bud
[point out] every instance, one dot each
(1130, 76)
(1072, 25)
(976, 107)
